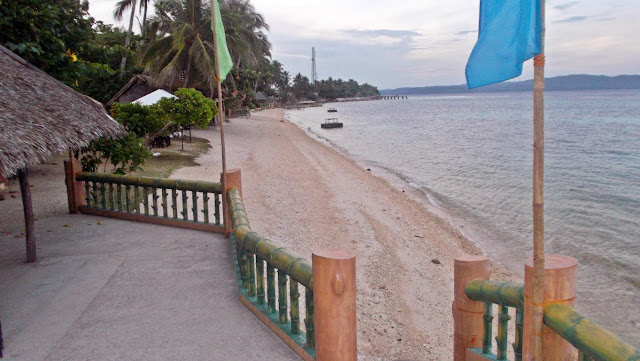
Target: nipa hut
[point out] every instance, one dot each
(40, 117)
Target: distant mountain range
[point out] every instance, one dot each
(566, 82)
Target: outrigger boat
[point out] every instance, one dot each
(332, 110)
(331, 123)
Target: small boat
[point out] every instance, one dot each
(331, 123)
(332, 110)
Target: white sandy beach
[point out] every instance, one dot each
(304, 196)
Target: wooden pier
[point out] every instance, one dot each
(393, 97)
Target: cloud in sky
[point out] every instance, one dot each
(573, 19)
(565, 6)
(419, 43)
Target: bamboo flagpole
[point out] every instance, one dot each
(538, 200)
(214, 26)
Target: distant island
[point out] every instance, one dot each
(566, 82)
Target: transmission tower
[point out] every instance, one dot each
(314, 72)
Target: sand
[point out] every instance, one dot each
(305, 196)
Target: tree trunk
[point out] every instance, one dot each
(150, 139)
(127, 39)
(23, 175)
(144, 17)
(186, 75)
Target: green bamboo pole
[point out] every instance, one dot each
(216, 210)
(282, 296)
(244, 266)
(94, 188)
(136, 197)
(205, 206)
(488, 329)
(164, 203)
(174, 203)
(271, 288)
(251, 290)
(103, 195)
(145, 200)
(538, 199)
(501, 339)
(308, 321)
(260, 280)
(112, 203)
(517, 345)
(127, 201)
(194, 201)
(294, 309)
(119, 195)
(185, 208)
(87, 194)
(154, 192)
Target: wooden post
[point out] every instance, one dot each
(75, 189)
(559, 287)
(537, 281)
(334, 299)
(232, 179)
(27, 206)
(467, 314)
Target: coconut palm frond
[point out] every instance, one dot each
(121, 7)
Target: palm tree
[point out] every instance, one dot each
(186, 53)
(183, 48)
(247, 42)
(121, 7)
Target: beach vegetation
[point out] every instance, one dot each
(141, 120)
(174, 48)
(190, 107)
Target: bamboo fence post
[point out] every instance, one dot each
(23, 175)
(334, 299)
(467, 314)
(233, 178)
(560, 287)
(69, 180)
(537, 281)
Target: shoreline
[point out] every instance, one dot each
(305, 195)
(422, 197)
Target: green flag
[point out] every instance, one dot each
(223, 53)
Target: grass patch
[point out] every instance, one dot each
(172, 158)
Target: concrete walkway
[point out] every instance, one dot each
(105, 289)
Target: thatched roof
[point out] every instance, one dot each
(40, 116)
(138, 79)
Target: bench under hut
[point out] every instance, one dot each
(41, 117)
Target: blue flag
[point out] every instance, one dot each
(510, 33)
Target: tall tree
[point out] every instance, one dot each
(121, 7)
(47, 33)
(244, 27)
(186, 53)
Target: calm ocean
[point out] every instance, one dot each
(471, 156)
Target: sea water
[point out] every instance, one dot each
(471, 156)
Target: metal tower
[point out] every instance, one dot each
(314, 72)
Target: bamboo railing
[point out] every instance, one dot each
(505, 295)
(473, 316)
(265, 272)
(181, 203)
(592, 341)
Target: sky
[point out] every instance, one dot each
(428, 42)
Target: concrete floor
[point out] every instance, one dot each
(105, 289)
